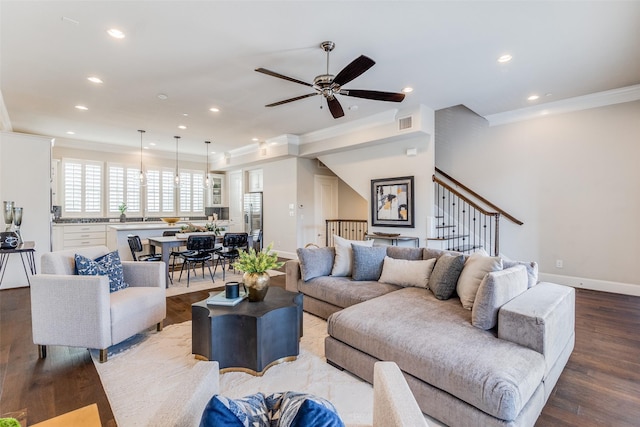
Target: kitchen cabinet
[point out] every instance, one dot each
(69, 236)
(217, 190)
(254, 180)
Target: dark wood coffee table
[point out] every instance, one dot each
(251, 336)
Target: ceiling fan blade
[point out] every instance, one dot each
(354, 69)
(280, 76)
(373, 94)
(291, 99)
(335, 108)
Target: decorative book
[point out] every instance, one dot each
(220, 299)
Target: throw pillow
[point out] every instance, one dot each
(403, 272)
(367, 262)
(294, 409)
(475, 268)
(249, 411)
(532, 270)
(398, 252)
(315, 262)
(444, 276)
(496, 289)
(343, 261)
(106, 265)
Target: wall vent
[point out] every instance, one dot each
(405, 123)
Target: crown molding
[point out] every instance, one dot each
(585, 102)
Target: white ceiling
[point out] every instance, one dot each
(203, 54)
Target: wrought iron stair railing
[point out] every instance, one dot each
(465, 221)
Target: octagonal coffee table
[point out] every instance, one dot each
(251, 336)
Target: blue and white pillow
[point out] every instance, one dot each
(249, 411)
(295, 409)
(106, 265)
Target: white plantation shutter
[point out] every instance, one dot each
(116, 188)
(82, 187)
(197, 195)
(153, 191)
(185, 192)
(72, 187)
(167, 192)
(133, 190)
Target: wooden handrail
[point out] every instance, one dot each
(462, 196)
(474, 194)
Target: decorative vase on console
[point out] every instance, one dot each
(255, 265)
(17, 221)
(123, 208)
(8, 214)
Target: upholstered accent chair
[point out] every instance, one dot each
(79, 311)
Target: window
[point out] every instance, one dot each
(123, 186)
(191, 192)
(82, 187)
(160, 192)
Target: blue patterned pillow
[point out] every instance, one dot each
(294, 409)
(250, 411)
(106, 265)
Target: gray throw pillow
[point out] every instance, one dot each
(444, 277)
(367, 262)
(404, 253)
(496, 289)
(315, 262)
(532, 270)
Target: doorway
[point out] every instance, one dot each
(326, 205)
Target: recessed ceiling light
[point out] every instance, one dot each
(214, 109)
(182, 127)
(162, 96)
(146, 148)
(255, 139)
(70, 132)
(115, 33)
(185, 114)
(353, 107)
(505, 58)
(152, 143)
(407, 89)
(94, 79)
(81, 107)
(533, 97)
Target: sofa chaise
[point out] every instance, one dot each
(491, 363)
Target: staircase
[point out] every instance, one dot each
(465, 221)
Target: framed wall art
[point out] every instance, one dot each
(392, 202)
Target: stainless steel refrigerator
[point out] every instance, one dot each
(253, 217)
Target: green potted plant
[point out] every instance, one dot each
(255, 264)
(122, 208)
(9, 422)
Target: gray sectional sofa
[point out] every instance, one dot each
(494, 364)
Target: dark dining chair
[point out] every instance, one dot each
(199, 252)
(135, 244)
(175, 253)
(231, 242)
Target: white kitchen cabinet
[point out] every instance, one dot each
(217, 190)
(254, 180)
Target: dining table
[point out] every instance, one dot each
(166, 243)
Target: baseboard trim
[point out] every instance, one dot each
(592, 284)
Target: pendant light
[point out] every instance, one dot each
(177, 178)
(141, 172)
(207, 183)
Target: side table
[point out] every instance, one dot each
(251, 336)
(26, 248)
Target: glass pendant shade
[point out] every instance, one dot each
(141, 170)
(177, 178)
(206, 171)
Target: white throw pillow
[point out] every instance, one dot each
(343, 261)
(475, 268)
(404, 272)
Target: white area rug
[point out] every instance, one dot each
(143, 371)
(198, 283)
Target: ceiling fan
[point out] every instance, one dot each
(329, 85)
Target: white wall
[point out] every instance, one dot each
(359, 166)
(574, 179)
(351, 205)
(25, 167)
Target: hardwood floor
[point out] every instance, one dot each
(600, 385)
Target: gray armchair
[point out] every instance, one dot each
(79, 311)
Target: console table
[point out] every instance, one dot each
(251, 336)
(393, 240)
(26, 248)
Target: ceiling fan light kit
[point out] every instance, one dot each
(329, 85)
